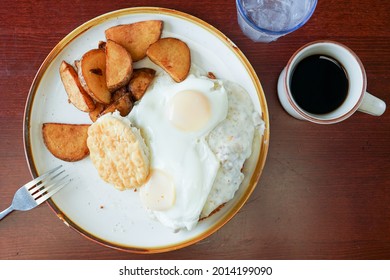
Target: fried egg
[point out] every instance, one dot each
(175, 119)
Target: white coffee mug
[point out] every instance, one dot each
(357, 97)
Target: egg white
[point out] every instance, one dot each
(184, 155)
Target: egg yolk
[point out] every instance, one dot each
(189, 110)
(159, 192)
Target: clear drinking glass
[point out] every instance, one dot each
(267, 20)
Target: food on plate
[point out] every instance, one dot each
(105, 72)
(119, 66)
(140, 81)
(211, 75)
(95, 113)
(118, 94)
(199, 132)
(123, 105)
(120, 101)
(67, 142)
(92, 74)
(173, 55)
(102, 45)
(76, 93)
(175, 119)
(118, 152)
(136, 37)
(231, 142)
(184, 141)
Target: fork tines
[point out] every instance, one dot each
(46, 185)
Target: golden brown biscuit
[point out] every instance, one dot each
(118, 152)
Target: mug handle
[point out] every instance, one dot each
(372, 105)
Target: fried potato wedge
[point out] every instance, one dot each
(136, 37)
(119, 102)
(76, 93)
(123, 104)
(92, 75)
(67, 142)
(119, 66)
(173, 55)
(102, 45)
(118, 94)
(95, 113)
(140, 81)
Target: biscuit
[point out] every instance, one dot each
(118, 152)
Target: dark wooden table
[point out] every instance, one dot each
(325, 190)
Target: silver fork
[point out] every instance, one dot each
(38, 190)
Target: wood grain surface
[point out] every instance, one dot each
(325, 189)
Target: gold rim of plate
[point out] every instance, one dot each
(264, 140)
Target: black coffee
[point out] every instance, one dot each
(319, 84)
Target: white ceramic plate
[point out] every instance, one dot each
(92, 207)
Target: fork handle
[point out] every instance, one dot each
(6, 212)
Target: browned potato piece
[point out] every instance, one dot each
(102, 45)
(67, 142)
(140, 81)
(118, 94)
(173, 55)
(94, 114)
(211, 75)
(123, 105)
(119, 66)
(76, 93)
(136, 37)
(92, 74)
